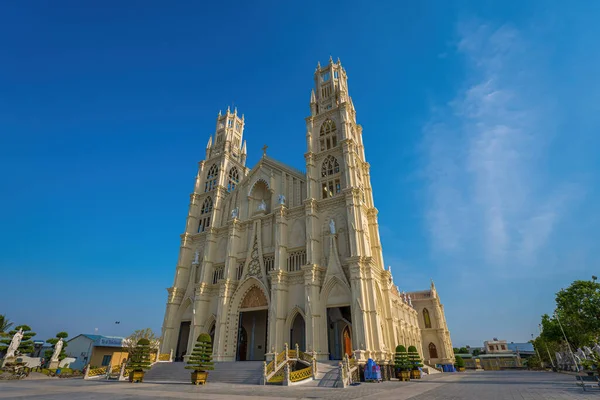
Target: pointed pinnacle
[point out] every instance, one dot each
(330, 60)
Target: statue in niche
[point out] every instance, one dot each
(332, 226)
(281, 200)
(196, 256)
(262, 206)
(235, 213)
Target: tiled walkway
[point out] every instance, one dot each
(520, 385)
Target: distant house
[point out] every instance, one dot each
(96, 350)
(496, 346)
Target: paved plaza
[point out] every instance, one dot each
(501, 385)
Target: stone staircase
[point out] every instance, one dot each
(432, 370)
(241, 373)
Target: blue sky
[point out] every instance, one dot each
(480, 123)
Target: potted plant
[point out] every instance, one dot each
(459, 363)
(401, 363)
(415, 362)
(200, 360)
(139, 362)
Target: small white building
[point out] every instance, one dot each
(496, 346)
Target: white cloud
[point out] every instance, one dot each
(487, 195)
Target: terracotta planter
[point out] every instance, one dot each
(136, 376)
(403, 375)
(415, 374)
(199, 378)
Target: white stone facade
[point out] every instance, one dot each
(273, 255)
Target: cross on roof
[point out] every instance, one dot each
(264, 149)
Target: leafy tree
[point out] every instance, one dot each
(5, 325)
(53, 341)
(463, 350)
(26, 345)
(578, 308)
(201, 358)
(476, 352)
(456, 350)
(130, 343)
(139, 359)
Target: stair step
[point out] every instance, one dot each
(245, 372)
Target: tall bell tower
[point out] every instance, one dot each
(338, 180)
(220, 172)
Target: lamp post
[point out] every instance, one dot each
(568, 344)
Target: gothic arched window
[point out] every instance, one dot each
(205, 211)
(432, 351)
(426, 318)
(328, 136)
(330, 166)
(211, 178)
(234, 178)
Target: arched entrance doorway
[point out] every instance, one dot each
(298, 333)
(339, 336)
(252, 326)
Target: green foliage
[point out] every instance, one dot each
(578, 310)
(130, 342)
(455, 350)
(201, 358)
(463, 350)
(401, 358)
(476, 352)
(413, 357)
(5, 325)
(459, 362)
(53, 341)
(139, 359)
(533, 363)
(593, 364)
(26, 345)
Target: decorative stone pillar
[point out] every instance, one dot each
(286, 374)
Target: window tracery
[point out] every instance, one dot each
(205, 212)
(211, 178)
(328, 135)
(330, 168)
(234, 178)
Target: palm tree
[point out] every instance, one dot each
(5, 325)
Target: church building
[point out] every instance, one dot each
(273, 255)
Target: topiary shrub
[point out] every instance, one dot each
(459, 362)
(140, 359)
(401, 358)
(201, 358)
(413, 357)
